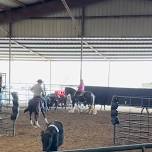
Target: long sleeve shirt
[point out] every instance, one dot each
(81, 87)
(37, 90)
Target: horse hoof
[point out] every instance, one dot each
(46, 121)
(31, 122)
(35, 126)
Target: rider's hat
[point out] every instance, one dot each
(39, 81)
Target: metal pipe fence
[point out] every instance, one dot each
(142, 147)
(6, 124)
(135, 126)
(25, 94)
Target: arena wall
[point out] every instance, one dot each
(104, 94)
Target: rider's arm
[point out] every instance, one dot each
(32, 88)
(42, 91)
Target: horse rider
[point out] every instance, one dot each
(38, 92)
(81, 88)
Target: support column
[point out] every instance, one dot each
(9, 66)
(109, 70)
(82, 35)
(50, 75)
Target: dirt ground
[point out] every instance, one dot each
(81, 131)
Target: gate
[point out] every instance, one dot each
(8, 116)
(132, 123)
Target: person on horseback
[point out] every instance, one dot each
(38, 92)
(81, 88)
(79, 93)
(36, 104)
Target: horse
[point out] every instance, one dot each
(51, 100)
(85, 98)
(35, 106)
(55, 100)
(72, 93)
(53, 136)
(68, 100)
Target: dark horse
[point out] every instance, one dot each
(54, 100)
(86, 97)
(35, 106)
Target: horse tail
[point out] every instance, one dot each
(27, 109)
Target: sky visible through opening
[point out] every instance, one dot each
(122, 74)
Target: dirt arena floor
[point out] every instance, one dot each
(81, 131)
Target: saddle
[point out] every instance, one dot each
(35, 100)
(80, 93)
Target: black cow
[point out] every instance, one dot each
(53, 136)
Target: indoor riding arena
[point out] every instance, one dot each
(81, 131)
(75, 75)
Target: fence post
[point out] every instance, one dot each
(143, 149)
(114, 134)
(14, 129)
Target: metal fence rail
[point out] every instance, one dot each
(135, 126)
(141, 147)
(6, 125)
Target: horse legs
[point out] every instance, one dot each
(142, 110)
(65, 104)
(73, 102)
(92, 106)
(56, 104)
(45, 119)
(36, 120)
(31, 118)
(104, 107)
(147, 110)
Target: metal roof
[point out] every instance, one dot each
(6, 5)
(94, 49)
(55, 49)
(15, 10)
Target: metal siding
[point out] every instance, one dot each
(15, 3)
(29, 1)
(119, 27)
(75, 12)
(4, 30)
(120, 7)
(45, 28)
(9, 3)
(105, 26)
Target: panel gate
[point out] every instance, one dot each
(132, 123)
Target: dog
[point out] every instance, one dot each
(53, 136)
